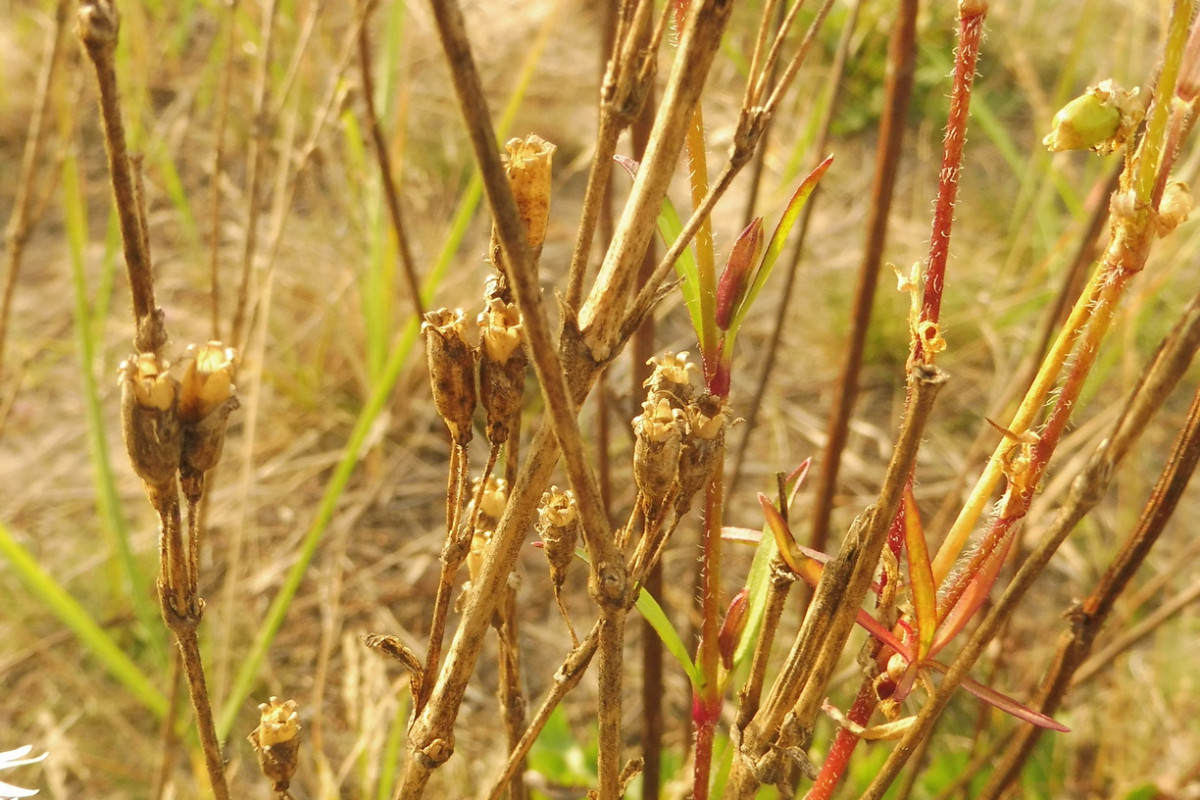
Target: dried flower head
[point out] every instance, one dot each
(528, 170)
(1174, 208)
(492, 500)
(276, 740)
(672, 376)
(659, 429)
(451, 370)
(502, 367)
(205, 402)
(150, 418)
(703, 446)
(558, 524)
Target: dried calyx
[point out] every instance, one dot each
(174, 426)
(276, 740)
(451, 370)
(502, 365)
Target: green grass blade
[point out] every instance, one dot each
(652, 612)
(68, 611)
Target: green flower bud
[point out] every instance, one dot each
(1101, 120)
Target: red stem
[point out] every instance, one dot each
(966, 56)
(844, 743)
(706, 703)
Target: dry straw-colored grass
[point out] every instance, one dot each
(307, 370)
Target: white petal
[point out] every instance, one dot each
(7, 790)
(9, 755)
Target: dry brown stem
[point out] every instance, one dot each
(383, 156)
(257, 147)
(98, 26)
(21, 222)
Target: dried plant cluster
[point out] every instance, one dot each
(767, 645)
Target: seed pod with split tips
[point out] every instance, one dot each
(702, 448)
(672, 376)
(150, 419)
(502, 366)
(492, 500)
(451, 370)
(659, 429)
(528, 169)
(276, 740)
(558, 524)
(205, 401)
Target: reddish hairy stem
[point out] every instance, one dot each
(844, 743)
(706, 704)
(970, 34)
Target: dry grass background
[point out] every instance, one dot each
(308, 369)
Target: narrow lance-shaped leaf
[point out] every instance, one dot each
(731, 289)
(1003, 702)
(778, 240)
(669, 227)
(920, 574)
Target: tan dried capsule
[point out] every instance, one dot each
(502, 367)
(150, 418)
(659, 431)
(451, 370)
(1174, 208)
(479, 543)
(672, 376)
(276, 740)
(491, 502)
(558, 525)
(528, 169)
(206, 399)
(702, 448)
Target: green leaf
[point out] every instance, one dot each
(652, 612)
(920, 574)
(778, 240)
(76, 618)
(686, 268)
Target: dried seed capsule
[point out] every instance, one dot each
(558, 524)
(1174, 208)
(276, 740)
(702, 447)
(492, 501)
(672, 376)
(451, 370)
(528, 170)
(659, 431)
(206, 399)
(150, 418)
(502, 366)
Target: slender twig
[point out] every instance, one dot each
(98, 26)
(1088, 619)
(255, 154)
(21, 221)
(902, 51)
(218, 167)
(627, 83)
(407, 266)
